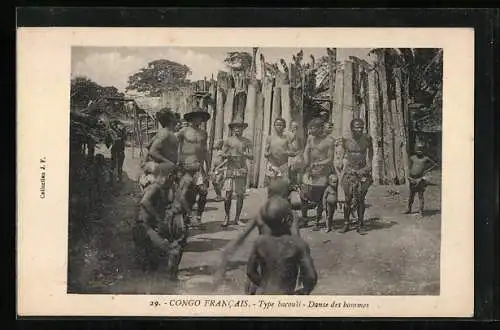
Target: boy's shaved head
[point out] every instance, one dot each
(279, 187)
(277, 214)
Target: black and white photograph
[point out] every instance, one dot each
(235, 172)
(255, 171)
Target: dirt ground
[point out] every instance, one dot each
(399, 255)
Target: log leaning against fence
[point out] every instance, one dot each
(220, 101)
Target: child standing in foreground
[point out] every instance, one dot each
(278, 258)
(419, 165)
(330, 200)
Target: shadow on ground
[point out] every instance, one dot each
(205, 244)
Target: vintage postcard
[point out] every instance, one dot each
(291, 172)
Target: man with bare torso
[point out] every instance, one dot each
(236, 149)
(164, 145)
(356, 177)
(279, 259)
(277, 151)
(318, 159)
(193, 157)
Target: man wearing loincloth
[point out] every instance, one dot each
(277, 151)
(356, 177)
(236, 149)
(318, 160)
(193, 160)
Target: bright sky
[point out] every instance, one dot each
(111, 66)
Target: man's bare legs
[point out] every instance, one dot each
(239, 207)
(227, 207)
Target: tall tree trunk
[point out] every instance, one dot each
(375, 127)
(257, 139)
(387, 125)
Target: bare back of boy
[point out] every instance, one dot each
(280, 260)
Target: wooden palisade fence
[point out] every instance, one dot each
(375, 93)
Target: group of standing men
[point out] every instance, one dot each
(175, 178)
(317, 166)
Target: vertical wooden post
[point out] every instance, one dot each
(398, 143)
(220, 101)
(387, 125)
(339, 102)
(239, 104)
(257, 139)
(212, 121)
(332, 72)
(364, 99)
(401, 120)
(348, 106)
(297, 97)
(267, 90)
(375, 127)
(251, 114)
(286, 106)
(228, 111)
(276, 106)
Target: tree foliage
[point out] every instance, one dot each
(91, 109)
(157, 76)
(238, 61)
(84, 91)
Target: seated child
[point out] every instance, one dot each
(330, 200)
(277, 259)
